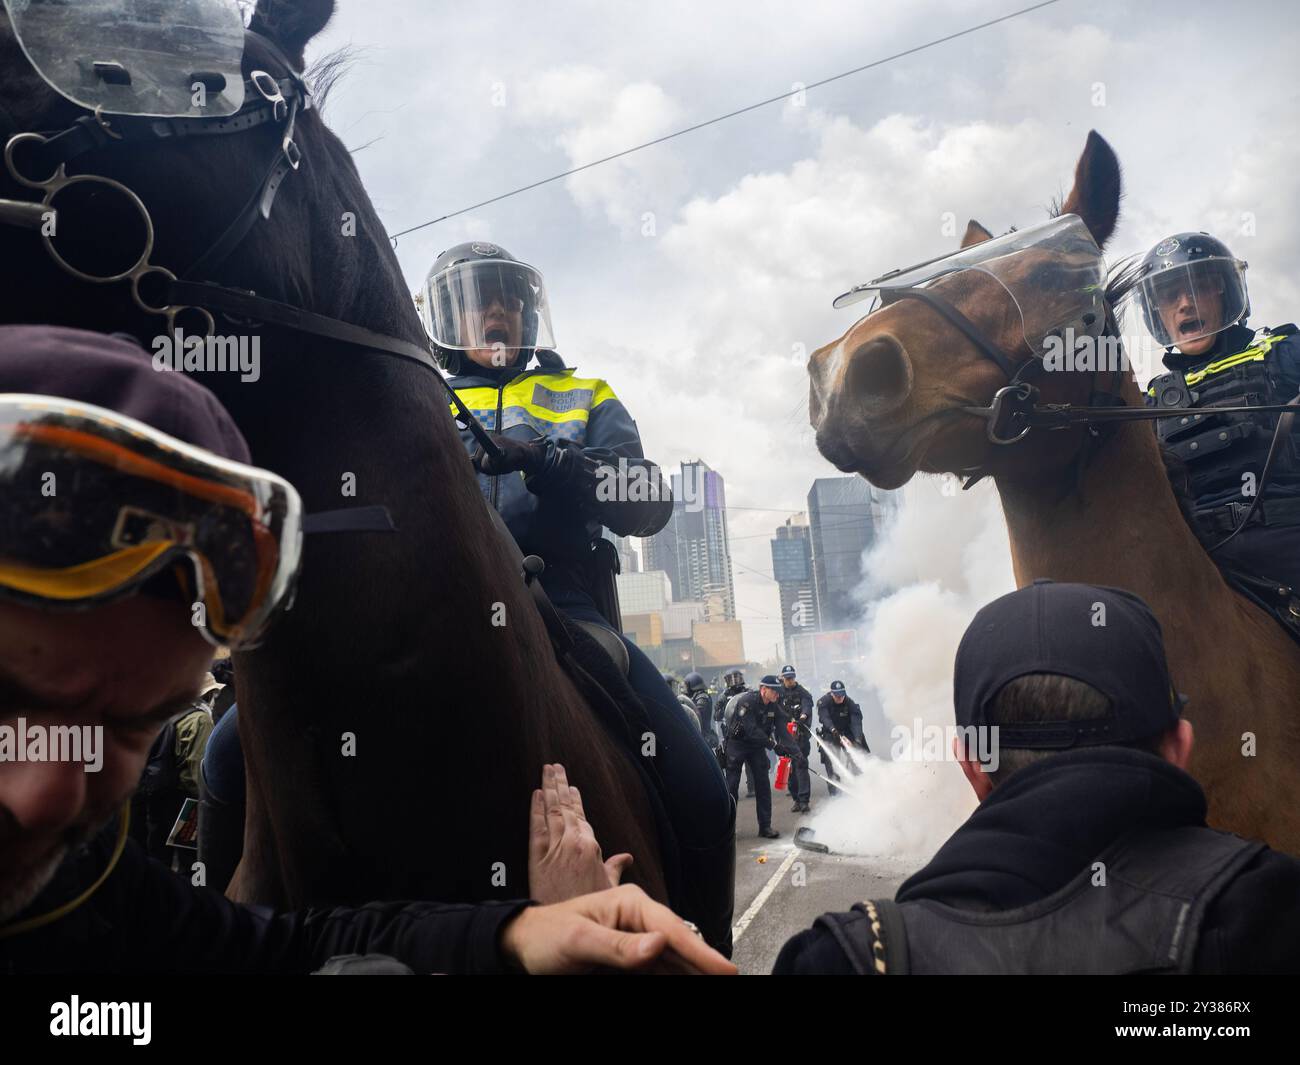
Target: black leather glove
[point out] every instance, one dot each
(517, 456)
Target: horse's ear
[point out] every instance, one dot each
(291, 23)
(975, 234)
(1095, 196)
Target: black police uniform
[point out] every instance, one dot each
(835, 720)
(797, 706)
(749, 737)
(702, 701)
(1225, 453)
(719, 710)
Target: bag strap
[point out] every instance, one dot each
(872, 936)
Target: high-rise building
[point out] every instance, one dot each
(792, 566)
(692, 548)
(846, 515)
(627, 559)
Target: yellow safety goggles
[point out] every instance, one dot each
(93, 504)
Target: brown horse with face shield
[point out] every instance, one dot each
(898, 394)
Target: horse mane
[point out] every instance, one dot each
(365, 287)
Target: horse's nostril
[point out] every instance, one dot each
(879, 373)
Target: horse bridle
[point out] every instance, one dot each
(267, 100)
(1014, 410)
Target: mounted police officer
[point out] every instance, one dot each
(749, 729)
(1191, 293)
(570, 463)
(839, 721)
(796, 708)
(1088, 852)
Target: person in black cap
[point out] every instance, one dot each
(117, 485)
(1089, 851)
(749, 733)
(839, 721)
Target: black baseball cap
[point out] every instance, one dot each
(1105, 637)
(837, 687)
(770, 681)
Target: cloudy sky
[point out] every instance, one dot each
(697, 275)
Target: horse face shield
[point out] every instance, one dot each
(1053, 274)
(152, 58)
(95, 504)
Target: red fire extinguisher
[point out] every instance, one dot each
(782, 773)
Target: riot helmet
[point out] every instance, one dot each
(477, 297)
(1188, 287)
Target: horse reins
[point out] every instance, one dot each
(1015, 410)
(269, 99)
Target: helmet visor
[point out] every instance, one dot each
(93, 504)
(1188, 301)
(1050, 277)
(488, 304)
(137, 57)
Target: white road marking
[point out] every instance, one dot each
(739, 928)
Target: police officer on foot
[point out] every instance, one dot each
(735, 684)
(797, 707)
(750, 727)
(1089, 851)
(697, 693)
(839, 721)
(1190, 292)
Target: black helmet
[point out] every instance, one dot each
(672, 682)
(734, 679)
(694, 682)
(1201, 268)
(462, 283)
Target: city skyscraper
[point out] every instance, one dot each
(845, 517)
(692, 548)
(792, 566)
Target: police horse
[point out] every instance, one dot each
(941, 377)
(396, 720)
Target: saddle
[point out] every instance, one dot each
(1273, 597)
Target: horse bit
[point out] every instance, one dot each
(267, 99)
(1015, 409)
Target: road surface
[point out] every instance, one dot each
(781, 889)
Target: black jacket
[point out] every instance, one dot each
(845, 718)
(1049, 821)
(703, 703)
(753, 722)
(144, 918)
(797, 706)
(550, 402)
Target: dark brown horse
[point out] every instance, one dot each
(392, 640)
(888, 399)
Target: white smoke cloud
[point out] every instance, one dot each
(944, 556)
